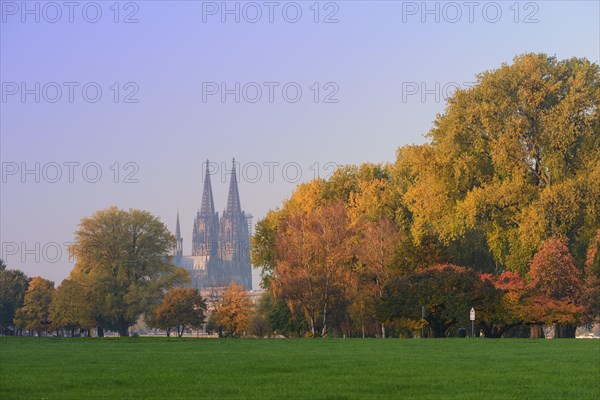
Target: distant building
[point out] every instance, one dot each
(220, 246)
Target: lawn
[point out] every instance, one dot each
(143, 368)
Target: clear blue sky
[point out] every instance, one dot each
(375, 53)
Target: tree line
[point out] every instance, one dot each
(123, 274)
(499, 210)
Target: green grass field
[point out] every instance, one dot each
(143, 368)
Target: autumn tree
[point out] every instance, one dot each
(521, 304)
(506, 313)
(377, 250)
(182, 308)
(511, 159)
(591, 287)
(34, 314)
(378, 240)
(124, 259)
(234, 311)
(13, 287)
(313, 261)
(554, 275)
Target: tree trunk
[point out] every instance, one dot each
(564, 331)
(123, 330)
(536, 332)
(324, 330)
(437, 328)
(383, 331)
(100, 331)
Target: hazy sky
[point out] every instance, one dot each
(186, 81)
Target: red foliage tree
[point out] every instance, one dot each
(555, 288)
(509, 311)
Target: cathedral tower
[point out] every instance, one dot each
(234, 245)
(204, 239)
(220, 246)
(205, 234)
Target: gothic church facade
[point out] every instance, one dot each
(220, 244)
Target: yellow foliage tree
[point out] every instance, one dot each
(234, 311)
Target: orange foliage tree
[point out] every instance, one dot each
(555, 287)
(313, 262)
(181, 308)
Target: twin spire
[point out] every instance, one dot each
(220, 246)
(233, 198)
(207, 208)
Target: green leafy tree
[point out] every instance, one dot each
(70, 309)
(447, 293)
(13, 287)
(262, 251)
(285, 322)
(259, 325)
(124, 259)
(213, 326)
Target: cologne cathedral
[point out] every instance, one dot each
(220, 245)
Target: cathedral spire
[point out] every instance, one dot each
(179, 246)
(177, 228)
(233, 199)
(208, 205)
